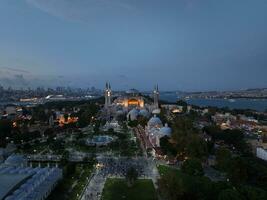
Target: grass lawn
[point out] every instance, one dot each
(117, 189)
(165, 169)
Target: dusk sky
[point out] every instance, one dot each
(188, 45)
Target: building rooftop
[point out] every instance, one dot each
(9, 182)
(27, 183)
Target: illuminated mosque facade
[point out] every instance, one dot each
(133, 105)
(131, 99)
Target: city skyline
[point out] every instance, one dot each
(183, 45)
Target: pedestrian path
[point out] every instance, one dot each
(116, 168)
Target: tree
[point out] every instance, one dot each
(133, 123)
(97, 127)
(86, 113)
(223, 158)
(253, 193)
(66, 116)
(193, 167)
(171, 186)
(5, 130)
(162, 115)
(65, 157)
(182, 103)
(86, 159)
(142, 120)
(229, 194)
(237, 172)
(233, 137)
(111, 131)
(40, 114)
(84, 119)
(49, 132)
(70, 168)
(121, 118)
(131, 176)
(182, 129)
(166, 146)
(196, 147)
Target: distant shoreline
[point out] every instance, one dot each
(226, 98)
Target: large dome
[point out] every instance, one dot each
(133, 114)
(165, 131)
(144, 113)
(154, 122)
(132, 92)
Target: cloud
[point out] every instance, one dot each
(16, 81)
(82, 10)
(123, 77)
(10, 69)
(16, 78)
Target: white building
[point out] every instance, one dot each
(261, 153)
(134, 113)
(11, 110)
(155, 131)
(112, 125)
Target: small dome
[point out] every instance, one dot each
(165, 131)
(132, 92)
(144, 113)
(120, 112)
(133, 114)
(154, 122)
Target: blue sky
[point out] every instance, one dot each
(179, 44)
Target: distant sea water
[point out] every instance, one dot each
(254, 104)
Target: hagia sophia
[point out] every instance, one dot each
(133, 104)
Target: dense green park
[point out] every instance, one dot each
(177, 184)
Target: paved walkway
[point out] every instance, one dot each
(147, 167)
(95, 187)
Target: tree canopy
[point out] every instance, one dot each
(193, 167)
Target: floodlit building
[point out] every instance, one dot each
(129, 100)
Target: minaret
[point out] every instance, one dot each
(107, 95)
(156, 96)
